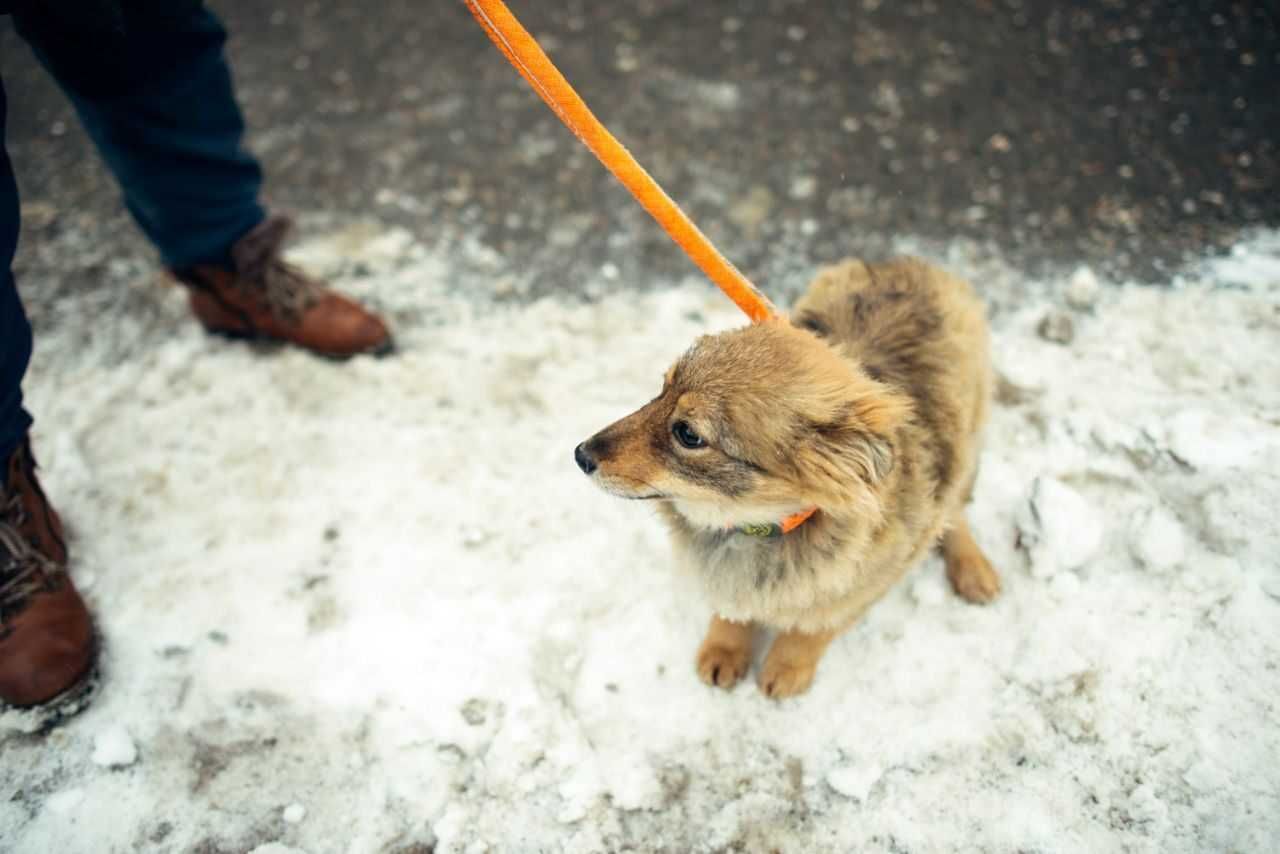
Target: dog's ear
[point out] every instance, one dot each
(853, 448)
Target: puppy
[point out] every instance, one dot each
(804, 466)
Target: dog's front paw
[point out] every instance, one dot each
(722, 666)
(780, 678)
(792, 660)
(973, 577)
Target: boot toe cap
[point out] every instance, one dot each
(47, 648)
(344, 328)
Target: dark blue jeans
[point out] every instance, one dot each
(155, 95)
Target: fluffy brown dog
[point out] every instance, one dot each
(868, 406)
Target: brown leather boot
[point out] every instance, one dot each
(263, 297)
(47, 646)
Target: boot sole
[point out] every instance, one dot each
(36, 720)
(386, 348)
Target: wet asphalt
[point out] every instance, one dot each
(1125, 134)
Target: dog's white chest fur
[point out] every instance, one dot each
(750, 578)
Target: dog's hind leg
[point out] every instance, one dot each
(970, 573)
(725, 653)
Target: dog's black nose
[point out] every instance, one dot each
(583, 459)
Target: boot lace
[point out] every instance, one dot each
(24, 570)
(287, 291)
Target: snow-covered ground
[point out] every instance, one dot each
(374, 607)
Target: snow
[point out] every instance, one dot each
(1157, 539)
(1058, 527)
(113, 748)
(275, 848)
(1208, 440)
(383, 591)
(1083, 289)
(854, 781)
(64, 802)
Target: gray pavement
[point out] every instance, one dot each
(1126, 134)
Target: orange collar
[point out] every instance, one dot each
(765, 530)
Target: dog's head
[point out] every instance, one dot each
(750, 425)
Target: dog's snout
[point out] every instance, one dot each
(584, 459)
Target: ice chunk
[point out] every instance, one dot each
(1205, 441)
(1156, 539)
(854, 781)
(1083, 289)
(1058, 527)
(113, 748)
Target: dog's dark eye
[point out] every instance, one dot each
(685, 436)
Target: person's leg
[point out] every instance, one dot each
(15, 332)
(162, 110)
(155, 93)
(46, 635)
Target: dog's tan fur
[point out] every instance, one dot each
(868, 404)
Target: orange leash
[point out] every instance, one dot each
(523, 53)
